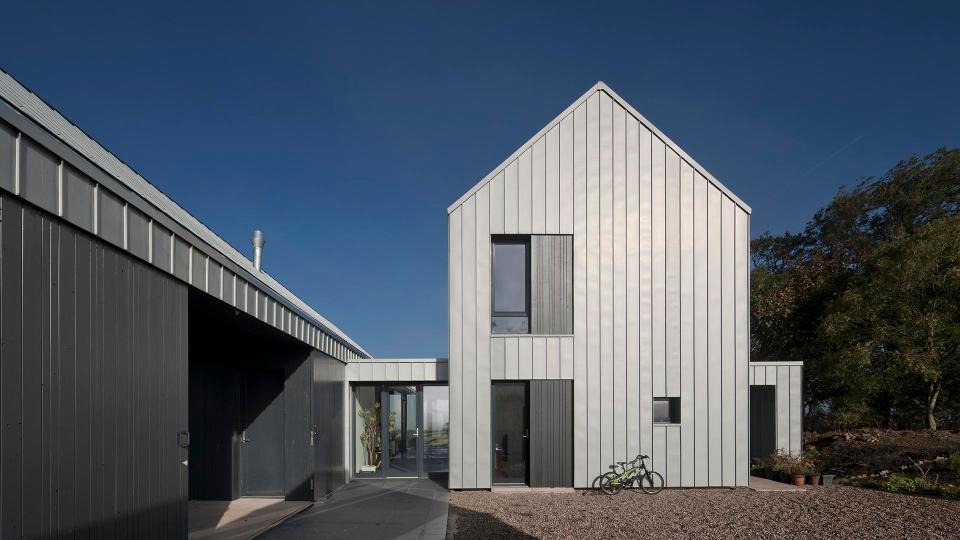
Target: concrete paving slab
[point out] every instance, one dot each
(375, 509)
(765, 484)
(241, 519)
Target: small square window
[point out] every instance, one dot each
(666, 410)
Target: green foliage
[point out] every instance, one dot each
(898, 483)
(954, 462)
(868, 296)
(784, 462)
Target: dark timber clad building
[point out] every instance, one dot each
(144, 360)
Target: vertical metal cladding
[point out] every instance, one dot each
(329, 418)
(659, 290)
(93, 375)
(787, 378)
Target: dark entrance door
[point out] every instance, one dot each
(511, 432)
(261, 437)
(763, 420)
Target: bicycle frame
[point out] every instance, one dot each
(627, 476)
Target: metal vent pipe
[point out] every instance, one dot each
(258, 243)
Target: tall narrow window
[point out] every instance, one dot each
(511, 285)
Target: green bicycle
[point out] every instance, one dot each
(637, 473)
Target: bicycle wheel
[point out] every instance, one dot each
(610, 484)
(651, 482)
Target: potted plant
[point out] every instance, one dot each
(370, 437)
(798, 470)
(813, 460)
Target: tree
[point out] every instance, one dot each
(902, 316)
(852, 294)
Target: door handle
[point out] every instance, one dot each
(243, 436)
(417, 434)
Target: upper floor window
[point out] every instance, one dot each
(511, 285)
(532, 284)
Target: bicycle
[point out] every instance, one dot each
(651, 482)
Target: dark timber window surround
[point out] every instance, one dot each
(666, 410)
(532, 290)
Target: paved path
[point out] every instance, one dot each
(374, 509)
(239, 519)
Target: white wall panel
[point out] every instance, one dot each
(551, 186)
(539, 346)
(565, 159)
(606, 282)
(581, 435)
(511, 198)
(619, 300)
(497, 359)
(455, 280)
(482, 376)
(469, 355)
(593, 282)
(496, 204)
(742, 329)
(658, 268)
(632, 293)
(673, 468)
(796, 408)
(701, 351)
(659, 297)
(538, 187)
(645, 238)
(714, 336)
(525, 348)
(672, 273)
(783, 407)
(553, 358)
(687, 351)
(524, 193)
(728, 341)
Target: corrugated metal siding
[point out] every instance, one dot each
(551, 433)
(787, 377)
(329, 419)
(94, 386)
(68, 174)
(660, 298)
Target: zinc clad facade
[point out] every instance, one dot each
(660, 299)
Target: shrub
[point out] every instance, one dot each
(954, 462)
(898, 483)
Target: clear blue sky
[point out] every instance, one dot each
(345, 132)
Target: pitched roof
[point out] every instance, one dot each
(602, 87)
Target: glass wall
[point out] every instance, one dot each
(436, 429)
(367, 446)
(401, 430)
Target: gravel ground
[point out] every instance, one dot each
(831, 512)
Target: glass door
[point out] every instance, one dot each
(403, 429)
(510, 433)
(436, 430)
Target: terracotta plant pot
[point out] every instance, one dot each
(814, 479)
(799, 479)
